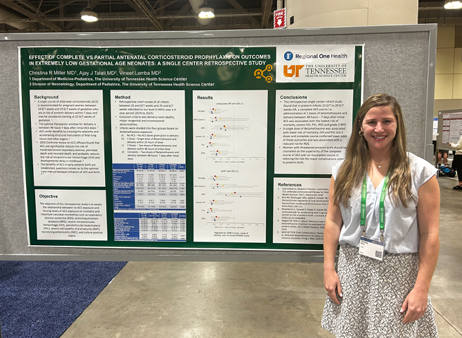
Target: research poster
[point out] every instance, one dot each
(452, 127)
(225, 147)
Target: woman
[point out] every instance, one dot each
(388, 252)
(457, 162)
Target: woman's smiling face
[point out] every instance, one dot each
(379, 128)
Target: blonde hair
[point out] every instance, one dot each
(358, 158)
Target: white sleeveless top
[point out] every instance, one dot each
(401, 225)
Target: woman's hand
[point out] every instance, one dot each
(332, 285)
(415, 304)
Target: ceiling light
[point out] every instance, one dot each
(206, 13)
(88, 15)
(450, 4)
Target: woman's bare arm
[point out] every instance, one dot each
(332, 228)
(428, 213)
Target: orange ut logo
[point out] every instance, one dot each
(290, 71)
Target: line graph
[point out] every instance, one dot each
(230, 166)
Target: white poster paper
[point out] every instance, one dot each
(452, 127)
(315, 63)
(312, 130)
(67, 137)
(149, 165)
(230, 132)
(148, 126)
(71, 215)
(300, 208)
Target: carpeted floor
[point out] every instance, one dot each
(42, 299)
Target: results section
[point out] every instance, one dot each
(230, 132)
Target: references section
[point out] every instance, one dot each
(230, 132)
(300, 208)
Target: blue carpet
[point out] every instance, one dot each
(42, 299)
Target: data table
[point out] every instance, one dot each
(157, 189)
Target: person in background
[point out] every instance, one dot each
(457, 161)
(384, 211)
(443, 154)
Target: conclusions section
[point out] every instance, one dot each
(230, 132)
(312, 129)
(149, 170)
(67, 137)
(300, 207)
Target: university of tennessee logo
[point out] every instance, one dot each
(293, 70)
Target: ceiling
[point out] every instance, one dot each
(434, 12)
(154, 15)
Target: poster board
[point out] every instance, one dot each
(449, 128)
(107, 132)
(377, 78)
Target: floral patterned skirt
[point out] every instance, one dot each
(373, 293)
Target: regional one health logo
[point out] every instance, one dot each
(288, 56)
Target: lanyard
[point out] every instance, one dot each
(381, 206)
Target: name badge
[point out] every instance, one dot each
(371, 248)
